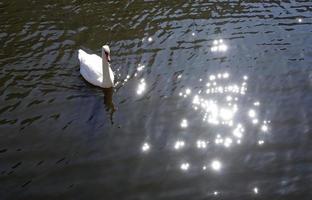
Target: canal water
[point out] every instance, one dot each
(212, 100)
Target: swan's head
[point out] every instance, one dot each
(106, 53)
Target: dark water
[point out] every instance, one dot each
(213, 100)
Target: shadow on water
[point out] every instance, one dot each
(107, 99)
(108, 102)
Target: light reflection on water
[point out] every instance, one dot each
(185, 166)
(220, 105)
(141, 87)
(221, 108)
(216, 165)
(179, 144)
(219, 46)
(140, 67)
(150, 39)
(145, 147)
(201, 144)
(184, 123)
(256, 190)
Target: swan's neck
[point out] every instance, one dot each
(105, 66)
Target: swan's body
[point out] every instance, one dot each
(96, 70)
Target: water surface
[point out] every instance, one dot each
(212, 100)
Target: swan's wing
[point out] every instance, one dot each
(92, 61)
(90, 66)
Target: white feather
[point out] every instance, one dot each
(95, 70)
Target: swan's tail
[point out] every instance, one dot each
(81, 54)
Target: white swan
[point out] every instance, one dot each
(96, 70)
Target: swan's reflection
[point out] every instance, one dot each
(108, 102)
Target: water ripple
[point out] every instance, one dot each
(159, 50)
